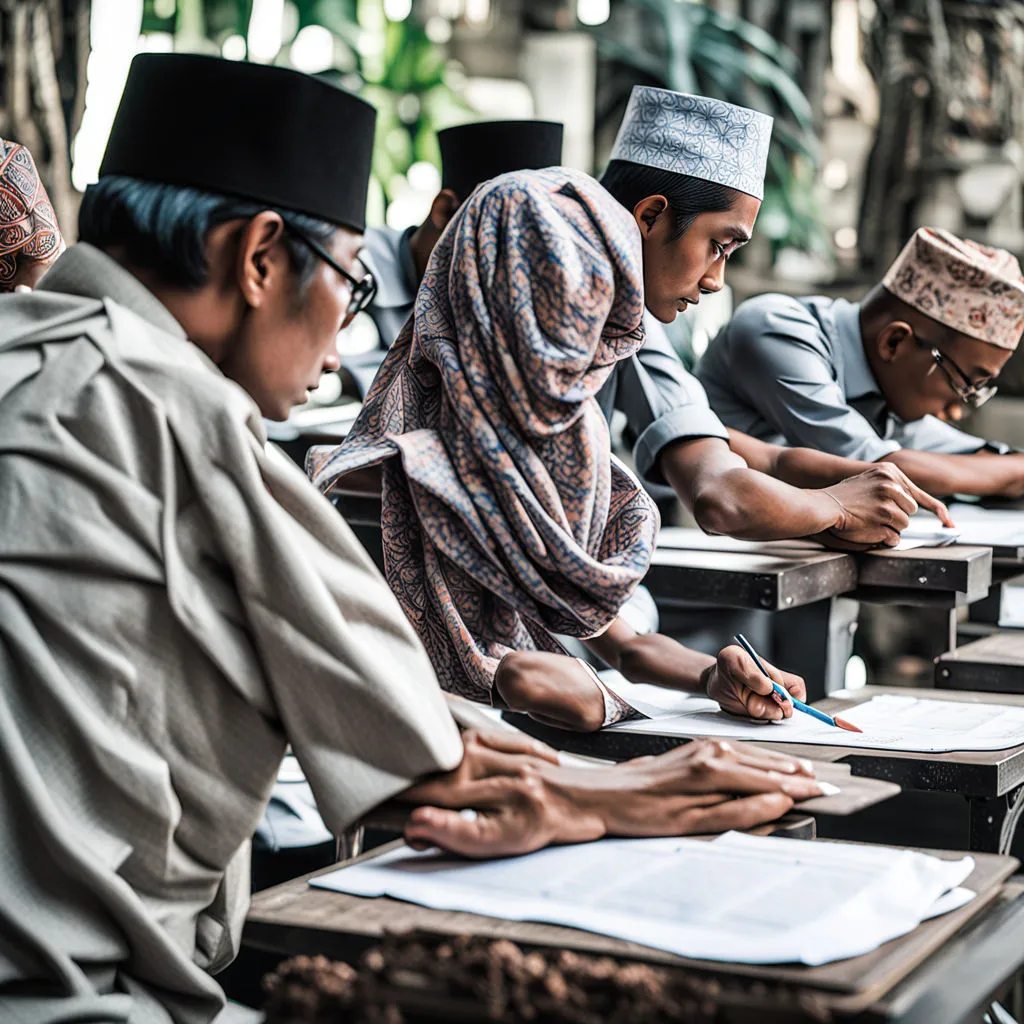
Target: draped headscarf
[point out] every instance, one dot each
(506, 518)
(28, 225)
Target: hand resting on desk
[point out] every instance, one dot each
(523, 799)
(876, 508)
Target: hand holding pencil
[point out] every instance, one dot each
(783, 697)
(740, 686)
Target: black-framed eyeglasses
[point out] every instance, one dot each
(363, 289)
(972, 393)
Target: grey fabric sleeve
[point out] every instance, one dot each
(782, 367)
(932, 435)
(662, 401)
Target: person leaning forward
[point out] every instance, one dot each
(505, 520)
(177, 603)
(694, 208)
(887, 379)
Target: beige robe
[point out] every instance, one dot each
(176, 604)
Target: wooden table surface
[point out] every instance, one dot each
(294, 919)
(690, 567)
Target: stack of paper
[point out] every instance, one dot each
(740, 898)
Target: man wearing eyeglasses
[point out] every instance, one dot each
(886, 379)
(177, 603)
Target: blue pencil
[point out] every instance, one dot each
(839, 723)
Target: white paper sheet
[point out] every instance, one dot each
(740, 898)
(890, 722)
(983, 527)
(920, 537)
(652, 701)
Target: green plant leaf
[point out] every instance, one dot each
(762, 72)
(753, 36)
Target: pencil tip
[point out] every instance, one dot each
(843, 724)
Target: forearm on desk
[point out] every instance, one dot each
(651, 658)
(728, 497)
(981, 473)
(798, 467)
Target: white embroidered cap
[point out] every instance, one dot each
(696, 135)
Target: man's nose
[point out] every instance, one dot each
(714, 277)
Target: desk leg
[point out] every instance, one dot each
(994, 820)
(816, 642)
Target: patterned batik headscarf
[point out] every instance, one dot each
(506, 518)
(28, 225)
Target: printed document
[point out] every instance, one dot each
(738, 898)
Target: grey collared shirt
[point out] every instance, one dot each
(794, 371)
(176, 604)
(661, 400)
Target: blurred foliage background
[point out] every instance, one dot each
(400, 55)
(689, 47)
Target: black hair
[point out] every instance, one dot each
(688, 197)
(163, 228)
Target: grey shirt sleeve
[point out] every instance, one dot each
(782, 365)
(662, 402)
(932, 435)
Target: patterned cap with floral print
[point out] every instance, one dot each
(976, 290)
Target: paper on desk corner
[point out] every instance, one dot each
(801, 902)
(890, 722)
(651, 701)
(950, 901)
(922, 538)
(975, 525)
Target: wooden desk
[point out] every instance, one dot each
(690, 568)
(993, 610)
(897, 981)
(954, 569)
(992, 781)
(769, 579)
(993, 664)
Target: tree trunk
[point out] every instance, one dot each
(44, 51)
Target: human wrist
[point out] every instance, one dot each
(704, 680)
(834, 511)
(581, 801)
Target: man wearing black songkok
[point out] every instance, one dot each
(177, 603)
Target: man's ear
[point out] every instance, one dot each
(443, 208)
(647, 213)
(261, 263)
(894, 338)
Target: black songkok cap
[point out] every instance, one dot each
(251, 131)
(473, 153)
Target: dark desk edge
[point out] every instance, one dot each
(981, 958)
